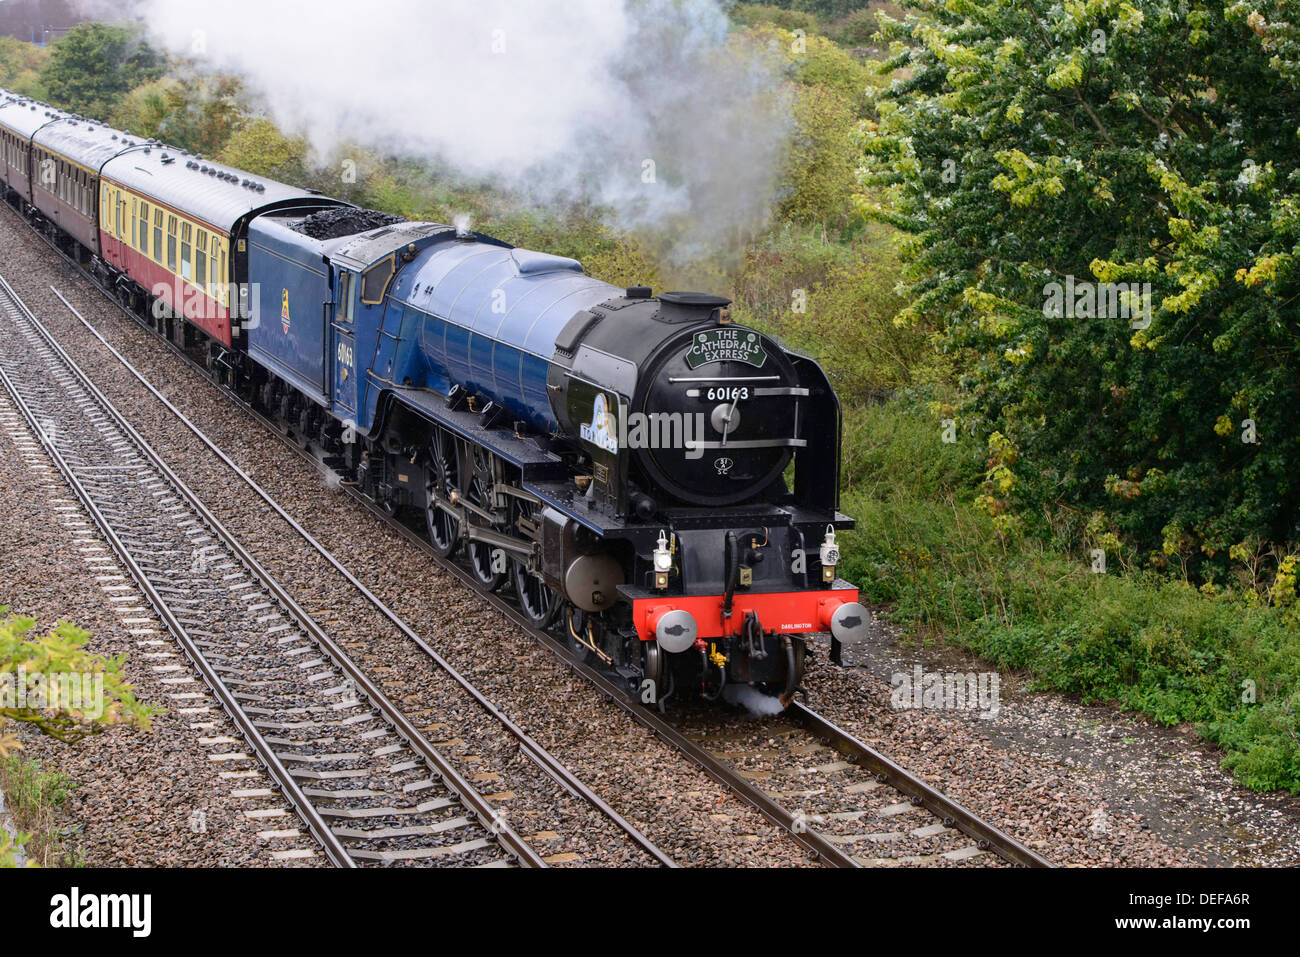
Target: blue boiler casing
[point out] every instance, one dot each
(487, 318)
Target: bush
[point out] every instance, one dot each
(836, 302)
(195, 113)
(755, 14)
(260, 148)
(38, 660)
(20, 67)
(1032, 146)
(1227, 662)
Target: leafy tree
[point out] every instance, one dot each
(824, 10)
(259, 147)
(32, 665)
(197, 113)
(753, 14)
(92, 68)
(831, 89)
(20, 67)
(1111, 141)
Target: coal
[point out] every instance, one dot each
(344, 221)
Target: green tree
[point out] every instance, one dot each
(20, 67)
(1111, 141)
(831, 90)
(97, 696)
(197, 113)
(92, 68)
(259, 147)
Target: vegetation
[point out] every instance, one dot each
(36, 798)
(50, 682)
(95, 65)
(21, 65)
(1099, 500)
(1151, 146)
(197, 113)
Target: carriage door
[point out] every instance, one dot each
(343, 335)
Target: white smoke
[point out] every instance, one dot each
(642, 106)
(752, 700)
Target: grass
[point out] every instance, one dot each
(35, 799)
(1229, 664)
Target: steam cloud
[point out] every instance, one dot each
(642, 106)
(752, 700)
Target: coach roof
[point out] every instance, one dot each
(25, 116)
(219, 195)
(85, 142)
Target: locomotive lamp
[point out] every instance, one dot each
(830, 555)
(663, 559)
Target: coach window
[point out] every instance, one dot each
(123, 214)
(187, 251)
(171, 244)
(201, 259)
(117, 207)
(144, 228)
(135, 224)
(157, 235)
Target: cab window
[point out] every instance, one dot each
(374, 282)
(344, 310)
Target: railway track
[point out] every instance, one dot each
(367, 785)
(849, 810)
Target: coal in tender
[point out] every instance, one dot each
(344, 221)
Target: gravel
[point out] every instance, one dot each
(139, 799)
(1082, 785)
(1047, 771)
(648, 782)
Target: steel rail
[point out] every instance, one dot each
(536, 752)
(897, 777)
(946, 809)
(487, 815)
(266, 755)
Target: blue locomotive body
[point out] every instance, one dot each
(488, 317)
(656, 482)
(412, 307)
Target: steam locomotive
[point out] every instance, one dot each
(655, 483)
